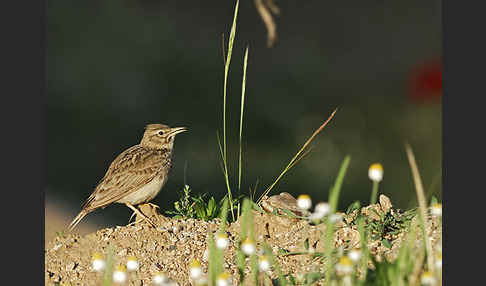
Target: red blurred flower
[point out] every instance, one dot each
(425, 81)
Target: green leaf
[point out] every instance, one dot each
(257, 207)
(289, 213)
(282, 251)
(313, 277)
(356, 205)
(306, 244)
(386, 243)
(292, 279)
(211, 206)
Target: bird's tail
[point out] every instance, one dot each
(77, 219)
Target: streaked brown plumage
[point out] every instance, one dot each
(137, 175)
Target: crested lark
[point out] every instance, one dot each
(137, 175)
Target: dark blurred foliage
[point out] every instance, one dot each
(114, 66)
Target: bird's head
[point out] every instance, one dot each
(160, 136)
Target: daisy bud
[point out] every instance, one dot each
(375, 172)
(222, 240)
(97, 262)
(132, 263)
(120, 274)
(248, 246)
(195, 269)
(304, 202)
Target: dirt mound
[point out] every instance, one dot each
(174, 243)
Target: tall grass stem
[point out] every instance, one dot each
(422, 207)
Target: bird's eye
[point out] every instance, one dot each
(160, 132)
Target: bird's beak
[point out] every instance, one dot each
(174, 131)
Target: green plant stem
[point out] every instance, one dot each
(374, 192)
(364, 248)
(108, 275)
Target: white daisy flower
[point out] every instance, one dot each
(322, 208)
(221, 240)
(132, 263)
(354, 255)
(436, 209)
(427, 279)
(223, 279)
(120, 274)
(375, 172)
(248, 246)
(97, 262)
(304, 202)
(344, 266)
(195, 269)
(263, 263)
(160, 278)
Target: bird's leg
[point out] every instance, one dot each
(133, 214)
(154, 206)
(140, 214)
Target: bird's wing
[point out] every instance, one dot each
(131, 170)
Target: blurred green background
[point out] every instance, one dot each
(115, 66)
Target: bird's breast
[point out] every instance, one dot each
(145, 193)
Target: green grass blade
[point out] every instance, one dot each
(334, 195)
(333, 201)
(226, 70)
(243, 89)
